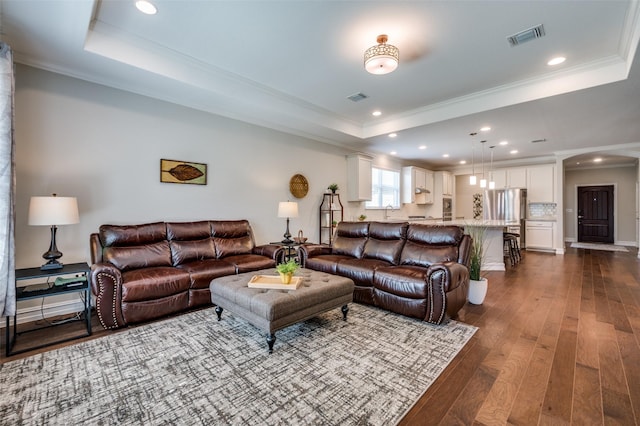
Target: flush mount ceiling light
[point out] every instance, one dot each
(146, 7)
(382, 58)
(557, 60)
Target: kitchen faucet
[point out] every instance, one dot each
(386, 211)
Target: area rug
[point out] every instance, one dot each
(192, 369)
(593, 246)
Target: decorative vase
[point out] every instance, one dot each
(286, 277)
(478, 291)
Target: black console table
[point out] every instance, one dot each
(46, 289)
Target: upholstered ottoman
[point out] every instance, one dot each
(272, 310)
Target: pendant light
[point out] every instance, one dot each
(492, 184)
(473, 179)
(382, 58)
(483, 181)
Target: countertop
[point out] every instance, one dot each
(457, 222)
(543, 219)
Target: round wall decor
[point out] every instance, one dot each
(298, 186)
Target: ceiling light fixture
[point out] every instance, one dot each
(376, 113)
(393, 135)
(504, 143)
(393, 153)
(145, 6)
(557, 60)
(513, 151)
(422, 147)
(597, 160)
(485, 129)
(382, 58)
(492, 183)
(483, 181)
(463, 161)
(473, 179)
(445, 155)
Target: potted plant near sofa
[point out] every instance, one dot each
(478, 284)
(286, 270)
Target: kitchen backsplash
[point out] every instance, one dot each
(542, 209)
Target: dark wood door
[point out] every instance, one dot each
(595, 214)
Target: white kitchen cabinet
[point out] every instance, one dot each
(359, 177)
(539, 235)
(510, 178)
(444, 182)
(541, 184)
(417, 185)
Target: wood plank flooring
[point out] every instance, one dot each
(558, 344)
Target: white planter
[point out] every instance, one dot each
(478, 291)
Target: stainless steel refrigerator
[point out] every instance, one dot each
(509, 205)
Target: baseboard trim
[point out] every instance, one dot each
(493, 266)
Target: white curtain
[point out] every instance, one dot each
(7, 185)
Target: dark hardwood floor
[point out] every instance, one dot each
(558, 343)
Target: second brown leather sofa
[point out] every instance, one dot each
(416, 270)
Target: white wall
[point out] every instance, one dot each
(104, 146)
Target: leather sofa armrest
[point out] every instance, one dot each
(310, 250)
(272, 251)
(441, 277)
(106, 284)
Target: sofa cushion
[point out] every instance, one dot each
(385, 241)
(188, 230)
(230, 228)
(153, 283)
(350, 239)
(188, 251)
(250, 262)
(325, 263)
(427, 245)
(134, 257)
(132, 235)
(232, 246)
(201, 272)
(360, 270)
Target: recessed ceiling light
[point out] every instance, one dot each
(504, 143)
(393, 153)
(445, 155)
(393, 135)
(376, 113)
(485, 129)
(557, 60)
(422, 147)
(597, 160)
(145, 6)
(463, 161)
(513, 151)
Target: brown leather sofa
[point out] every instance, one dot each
(420, 271)
(142, 272)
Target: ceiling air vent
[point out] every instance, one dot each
(357, 97)
(538, 140)
(526, 35)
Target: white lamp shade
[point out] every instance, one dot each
(492, 184)
(473, 180)
(288, 209)
(483, 183)
(53, 211)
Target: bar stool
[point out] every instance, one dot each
(511, 247)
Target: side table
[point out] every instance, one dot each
(289, 251)
(47, 289)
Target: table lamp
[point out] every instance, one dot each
(53, 211)
(287, 209)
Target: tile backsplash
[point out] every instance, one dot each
(542, 209)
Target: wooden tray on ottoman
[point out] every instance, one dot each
(274, 282)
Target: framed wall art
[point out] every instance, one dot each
(173, 171)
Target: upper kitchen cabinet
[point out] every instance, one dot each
(417, 185)
(510, 178)
(541, 184)
(359, 177)
(444, 182)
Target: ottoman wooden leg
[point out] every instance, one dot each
(345, 310)
(271, 339)
(219, 312)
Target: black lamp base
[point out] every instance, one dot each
(51, 265)
(287, 235)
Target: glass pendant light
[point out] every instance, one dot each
(473, 179)
(483, 181)
(492, 184)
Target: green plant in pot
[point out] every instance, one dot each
(286, 270)
(333, 187)
(478, 285)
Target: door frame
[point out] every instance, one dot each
(615, 208)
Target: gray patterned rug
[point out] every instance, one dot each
(594, 246)
(192, 369)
